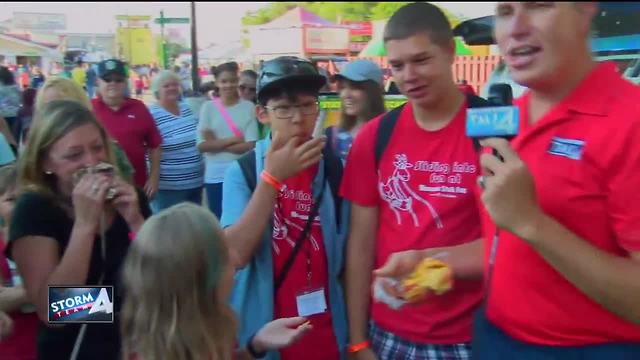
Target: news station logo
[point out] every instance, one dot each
(80, 305)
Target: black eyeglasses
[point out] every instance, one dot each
(288, 111)
(113, 79)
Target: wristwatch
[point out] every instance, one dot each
(252, 351)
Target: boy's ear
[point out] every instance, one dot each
(263, 115)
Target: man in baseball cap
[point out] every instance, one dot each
(129, 122)
(115, 67)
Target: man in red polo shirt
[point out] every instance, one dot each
(562, 211)
(129, 122)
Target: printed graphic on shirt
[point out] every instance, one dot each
(288, 227)
(397, 192)
(444, 180)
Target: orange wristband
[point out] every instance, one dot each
(357, 347)
(269, 179)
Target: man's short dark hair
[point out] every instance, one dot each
(416, 18)
(250, 73)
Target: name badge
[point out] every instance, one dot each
(311, 302)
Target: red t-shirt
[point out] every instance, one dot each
(423, 190)
(290, 216)
(134, 129)
(584, 155)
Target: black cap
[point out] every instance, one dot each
(287, 70)
(111, 67)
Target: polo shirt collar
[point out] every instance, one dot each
(591, 96)
(126, 103)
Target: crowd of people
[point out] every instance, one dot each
(302, 226)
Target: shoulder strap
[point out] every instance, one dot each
(333, 174)
(226, 117)
(332, 139)
(247, 164)
(385, 129)
(301, 239)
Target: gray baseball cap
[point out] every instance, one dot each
(361, 70)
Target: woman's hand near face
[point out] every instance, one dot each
(127, 204)
(88, 200)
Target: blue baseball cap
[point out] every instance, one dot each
(361, 70)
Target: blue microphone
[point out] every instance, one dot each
(495, 121)
(501, 120)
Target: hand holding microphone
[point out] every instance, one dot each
(508, 187)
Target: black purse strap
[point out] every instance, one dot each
(301, 239)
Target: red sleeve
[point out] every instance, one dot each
(624, 189)
(360, 179)
(152, 137)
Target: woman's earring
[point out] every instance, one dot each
(48, 172)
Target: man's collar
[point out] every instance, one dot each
(591, 95)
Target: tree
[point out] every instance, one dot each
(174, 50)
(384, 10)
(333, 11)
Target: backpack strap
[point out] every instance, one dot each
(385, 129)
(332, 170)
(390, 119)
(333, 175)
(247, 164)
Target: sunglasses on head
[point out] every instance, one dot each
(113, 79)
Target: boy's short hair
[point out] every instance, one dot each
(416, 18)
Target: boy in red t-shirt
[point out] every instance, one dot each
(419, 195)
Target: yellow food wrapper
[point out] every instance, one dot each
(430, 274)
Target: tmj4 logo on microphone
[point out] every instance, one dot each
(80, 304)
(501, 121)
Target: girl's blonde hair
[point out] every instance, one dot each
(171, 277)
(57, 119)
(68, 87)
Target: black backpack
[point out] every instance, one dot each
(390, 119)
(332, 170)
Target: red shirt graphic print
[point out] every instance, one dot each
(423, 189)
(291, 212)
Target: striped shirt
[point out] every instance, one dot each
(181, 165)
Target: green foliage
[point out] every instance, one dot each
(333, 11)
(174, 50)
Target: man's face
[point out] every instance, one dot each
(421, 68)
(540, 40)
(247, 88)
(112, 86)
(291, 118)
